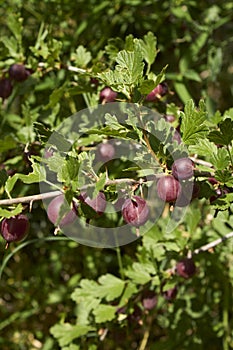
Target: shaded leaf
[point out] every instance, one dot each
(225, 135)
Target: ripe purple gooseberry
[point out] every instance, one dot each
(135, 211)
(105, 151)
(149, 300)
(182, 200)
(54, 211)
(220, 192)
(182, 168)
(14, 229)
(18, 72)
(170, 294)
(168, 188)
(186, 268)
(170, 118)
(189, 191)
(98, 204)
(5, 88)
(107, 95)
(212, 181)
(176, 137)
(158, 92)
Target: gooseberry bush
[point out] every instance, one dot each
(116, 180)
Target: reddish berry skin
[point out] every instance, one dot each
(98, 204)
(54, 209)
(48, 153)
(5, 88)
(18, 72)
(182, 200)
(107, 95)
(182, 169)
(176, 137)
(159, 91)
(149, 300)
(170, 294)
(168, 188)
(212, 181)
(220, 192)
(169, 118)
(186, 268)
(105, 152)
(196, 190)
(135, 211)
(15, 228)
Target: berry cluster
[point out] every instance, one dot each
(134, 209)
(149, 298)
(17, 72)
(173, 188)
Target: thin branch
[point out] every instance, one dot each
(70, 68)
(51, 194)
(28, 199)
(201, 162)
(210, 245)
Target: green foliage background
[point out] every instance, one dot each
(50, 298)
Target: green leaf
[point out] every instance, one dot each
(112, 121)
(127, 74)
(130, 289)
(85, 307)
(6, 143)
(65, 333)
(15, 24)
(36, 176)
(224, 176)
(72, 347)
(9, 213)
(161, 76)
(182, 91)
(220, 160)
(148, 45)
(204, 148)
(11, 44)
(225, 135)
(192, 75)
(60, 142)
(87, 288)
(130, 65)
(138, 274)
(193, 126)
(193, 219)
(100, 184)
(104, 313)
(81, 56)
(111, 286)
(108, 287)
(42, 132)
(72, 165)
(147, 86)
(56, 96)
(3, 177)
(223, 203)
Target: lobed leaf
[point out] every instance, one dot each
(65, 333)
(193, 125)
